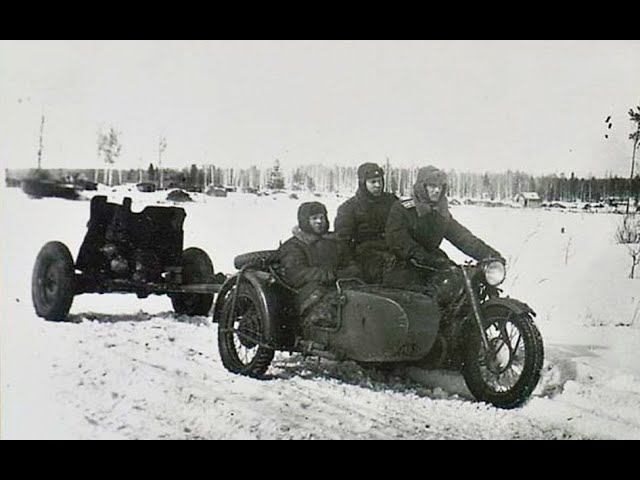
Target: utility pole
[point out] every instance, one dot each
(633, 163)
(40, 142)
(162, 145)
(387, 174)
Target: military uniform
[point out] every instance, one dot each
(311, 263)
(415, 229)
(360, 225)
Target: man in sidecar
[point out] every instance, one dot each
(415, 229)
(311, 261)
(361, 220)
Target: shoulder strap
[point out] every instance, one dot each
(408, 203)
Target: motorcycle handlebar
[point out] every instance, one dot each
(345, 280)
(421, 266)
(417, 264)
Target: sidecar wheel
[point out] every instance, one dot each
(196, 268)
(241, 334)
(506, 378)
(52, 282)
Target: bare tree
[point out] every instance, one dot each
(110, 148)
(628, 234)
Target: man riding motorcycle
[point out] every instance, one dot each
(415, 229)
(360, 223)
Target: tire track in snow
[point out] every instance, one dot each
(163, 379)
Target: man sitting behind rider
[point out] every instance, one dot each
(360, 222)
(311, 261)
(415, 228)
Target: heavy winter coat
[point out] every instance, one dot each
(360, 226)
(363, 218)
(311, 264)
(411, 236)
(415, 229)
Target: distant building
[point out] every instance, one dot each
(528, 199)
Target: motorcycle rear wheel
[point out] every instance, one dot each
(506, 376)
(241, 334)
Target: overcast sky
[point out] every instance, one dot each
(536, 106)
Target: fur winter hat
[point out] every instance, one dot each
(430, 175)
(306, 210)
(367, 171)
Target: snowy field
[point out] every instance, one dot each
(124, 367)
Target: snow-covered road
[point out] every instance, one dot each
(123, 367)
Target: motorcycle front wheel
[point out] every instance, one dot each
(507, 374)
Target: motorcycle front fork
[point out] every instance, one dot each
(475, 307)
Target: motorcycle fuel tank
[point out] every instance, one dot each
(383, 325)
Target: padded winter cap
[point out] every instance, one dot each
(306, 210)
(431, 175)
(367, 171)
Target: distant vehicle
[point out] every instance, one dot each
(591, 206)
(179, 196)
(12, 182)
(85, 184)
(217, 191)
(146, 187)
(616, 201)
(121, 253)
(39, 188)
(553, 205)
(470, 328)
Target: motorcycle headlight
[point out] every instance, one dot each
(494, 273)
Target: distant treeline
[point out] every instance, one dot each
(321, 178)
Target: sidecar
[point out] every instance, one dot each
(126, 252)
(256, 316)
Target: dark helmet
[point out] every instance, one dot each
(306, 210)
(367, 171)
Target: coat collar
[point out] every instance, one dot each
(309, 238)
(424, 207)
(365, 197)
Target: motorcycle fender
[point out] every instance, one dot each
(516, 306)
(277, 306)
(220, 297)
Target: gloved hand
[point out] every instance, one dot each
(421, 257)
(497, 257)
(327, 276)
(440, 262)
(352, 271)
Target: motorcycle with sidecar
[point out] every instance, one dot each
(467, 326)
